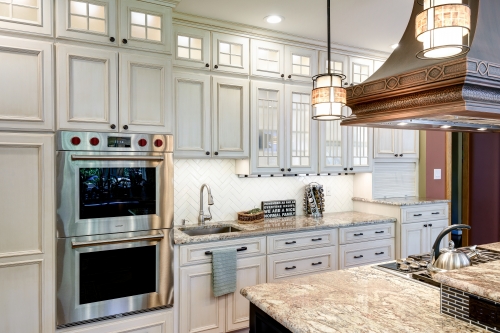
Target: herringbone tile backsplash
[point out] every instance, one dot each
(233, 194)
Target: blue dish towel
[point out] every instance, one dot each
(224, 271)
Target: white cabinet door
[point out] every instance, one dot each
(434, 229)
(192, 116)
(27, 85)
(87, 83)
(360, 149)
(301, 64)
(332, 147)
(301, 131)
(230, 53)
(267, 128)
(268, 59)
(33, 16)
(145, 26)
(199, 310)
(339, 63)
(85, 20)
(359, 69)
(408, 143)
(230, 117)
(414, 239)
(386, 143)
(145, 94)
(250, 272)
(192, 47)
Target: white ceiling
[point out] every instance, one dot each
(372, 24)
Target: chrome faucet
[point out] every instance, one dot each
(202, 217)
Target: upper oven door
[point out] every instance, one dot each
(110, 192)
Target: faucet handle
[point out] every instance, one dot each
(209, 216)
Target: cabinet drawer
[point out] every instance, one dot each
(195, 254)
(359, 254)
(293, 264)
(424, 213)
(301, 240)
(366, 233)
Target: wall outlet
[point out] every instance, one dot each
(437, 173)
(328, 192)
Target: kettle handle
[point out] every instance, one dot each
(435, 247)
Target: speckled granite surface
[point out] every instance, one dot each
(281, 225)
(482, 280)
(407, 201)
(492, 246)
(354, 300)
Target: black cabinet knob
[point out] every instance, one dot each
(207, 153)
(113, 126)
(124, 41)
(345, 169)
(216, 153)
(289, 76)
(351, 169)
(216, 66)
(346, 84)
(289, 169)
(282, 75)
(125, 127)
(111, 39)
(396, 155)
(400, 155)
(282, 169)
(207, 65)
(425, 225)
(430, 225)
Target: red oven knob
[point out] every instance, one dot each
(142, 142)
(75, 141)
(94, 141)
(158, 143)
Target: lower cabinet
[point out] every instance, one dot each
(360, 254)
(419, 237)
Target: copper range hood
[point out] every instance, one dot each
(462, 93)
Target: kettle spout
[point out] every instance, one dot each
(472, 251)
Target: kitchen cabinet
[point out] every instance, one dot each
(230, 53)
(32, 17)
(87, 88)
(396, 144)
(360, 69)
(301, 64)
(220, 130)
(365, 253)
(131, 24)
(339, 64)
(419, 237)
(27, 96)
(192, 47)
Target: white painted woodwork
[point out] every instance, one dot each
(249, 272)
(434, 229)
(301, 241)
(301, 263)
(192, 115)
(32, 17)
(421, 213)
(27, 98)
(409, 143)
(192, 54)
(396, 144)
(366, 233)
(87, 21)
(360, 254)
(300, 63)
(395, 180)
(268, 59)
(145, 26)
(267, 127)
(333, 146)
(230, 117)
(360, 149)
(145, 94)
(359, 69)
(230, 53)
(377, 64)
(339, 64)
(414, 239)
(27, 233)
(87, 84)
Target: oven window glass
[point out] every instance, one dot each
(113, 192)
(106, 275)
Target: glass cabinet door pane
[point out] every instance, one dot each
(268, 120)
(360, 146)
(300, 145)
(333, 144)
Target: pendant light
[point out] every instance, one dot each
(328, 95)
(443, 28)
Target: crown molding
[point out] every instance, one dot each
(169, 3)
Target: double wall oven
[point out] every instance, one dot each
(114, 225)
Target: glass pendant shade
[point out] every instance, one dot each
(328, 96)
(443, 28)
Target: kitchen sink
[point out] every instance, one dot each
(208, 231)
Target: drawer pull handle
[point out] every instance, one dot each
(436, 213)
(316, 239)
(379, 232)
(379, 253)
(289, 243)
(417, 214)
(244, 248)
(288, 268)
(358, 257)
(316, 263)
(360, 234)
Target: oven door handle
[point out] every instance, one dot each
(117, 240)
(115, 158)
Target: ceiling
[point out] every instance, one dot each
(372, 24)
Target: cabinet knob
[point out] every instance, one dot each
(216, 153)
(289, 169)
(430, 225)
(124, 41)
(351, 169)
(425, 225)
(282, 169)
(207, 65)
(113, 126)
(282, 75)
(207, 153)
(400, 155)
(346, 84)
(396, 155)
(289, 76)
(216, 66)
(125, 127)
(345, 169)
(111, 39)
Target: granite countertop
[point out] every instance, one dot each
(492, 246)
(406, 201)
(358, 300)
(281, 225)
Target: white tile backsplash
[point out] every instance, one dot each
(233, 194)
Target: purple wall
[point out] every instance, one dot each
(435, 159)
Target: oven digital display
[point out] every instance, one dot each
(114, 141)
(115, 192)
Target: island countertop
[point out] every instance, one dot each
(281, 225)
(406, 201)
(359, 300)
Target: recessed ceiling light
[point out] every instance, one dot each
(402, 124)
(446, 126)
(394, 46)
(274, 18)
(482, 129)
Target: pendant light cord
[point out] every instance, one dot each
(328, 27)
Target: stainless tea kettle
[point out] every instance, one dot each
(449, 258)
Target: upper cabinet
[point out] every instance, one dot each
(339, 64)
(29, 16)
(301, 64)
(360, 69)
(230, 53)
(192, 47)
(396, 144)
(132, 24)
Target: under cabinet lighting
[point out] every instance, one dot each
(446, 126)
(273, 19)
(482, 129)
(402, 124)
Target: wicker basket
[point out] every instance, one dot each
(245, 218)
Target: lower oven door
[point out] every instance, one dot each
(106, 276)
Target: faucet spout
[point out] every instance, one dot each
(202, 217)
